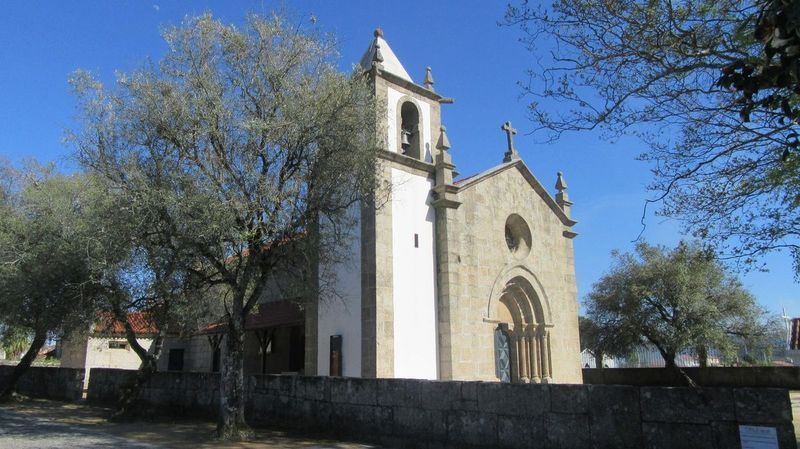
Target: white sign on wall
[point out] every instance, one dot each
(757, 437)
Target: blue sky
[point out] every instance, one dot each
(473, 60)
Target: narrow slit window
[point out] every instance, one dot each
(416, 240)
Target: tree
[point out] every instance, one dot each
(681, 299)
(601, 341)
(45, 283)
(710, 86)
(250, 152)
(765, 345)
(14, 341)
(139, 271)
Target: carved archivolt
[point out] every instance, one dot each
(525, 319)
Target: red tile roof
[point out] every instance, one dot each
(141, 322)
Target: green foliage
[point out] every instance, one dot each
(45, 281)
(14, 341)
(238, 139)
(600, 342)
(710, 86)
(764, 346)
(770, 81)
(678, 300)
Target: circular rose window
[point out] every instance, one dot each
(518, 236)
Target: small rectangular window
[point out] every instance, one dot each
(116, 344)
(175, 361)
(336, 355)
(215, 358)
(416, 240)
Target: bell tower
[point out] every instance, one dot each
(412, 113)
(399, 236)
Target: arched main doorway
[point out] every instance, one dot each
(521, 319)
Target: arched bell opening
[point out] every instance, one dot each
(410, 129)
(522, 328)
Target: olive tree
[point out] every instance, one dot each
(605, 339)
(46, 287)
(139, 269)
(680, 299)
(710, 86)
(250, 150)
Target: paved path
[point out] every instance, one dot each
(39, 424)
(22, 431)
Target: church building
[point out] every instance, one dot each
(469, 279)
(451, 279)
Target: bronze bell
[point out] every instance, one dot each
(404, 138)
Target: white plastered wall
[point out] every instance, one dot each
(99, 355)
(414, 275)
(339, 310)
(394, 97)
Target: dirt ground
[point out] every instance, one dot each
(80, 425)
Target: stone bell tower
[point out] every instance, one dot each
(399, 238)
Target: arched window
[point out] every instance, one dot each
(410, 139)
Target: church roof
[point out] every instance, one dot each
(537, 186)
(389, 61)
(141, 322)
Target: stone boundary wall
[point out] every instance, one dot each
(756, 376)
(65, 384)
(184, 393)
(422, 414)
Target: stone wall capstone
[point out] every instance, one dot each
(755, 376)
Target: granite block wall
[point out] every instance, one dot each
(433, 414)
(65, 384)
(420, 414)
(180, 393)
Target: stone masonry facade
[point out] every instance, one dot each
(505, 282)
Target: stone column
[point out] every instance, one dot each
(525, 375)
(516, 366)
(544, 343)
(526, 344)
(534, 359)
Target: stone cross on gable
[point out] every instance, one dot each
(511, 153)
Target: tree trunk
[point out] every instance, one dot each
(702, 356)
(232, 425)
(669, 360)
(146, 370)
(39, 339)
(669, 364)
(598, 359)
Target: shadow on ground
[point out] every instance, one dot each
(33, 424)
